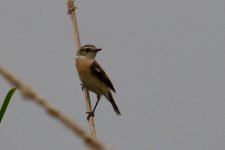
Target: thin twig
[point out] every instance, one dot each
(28, 93)
(72, 13)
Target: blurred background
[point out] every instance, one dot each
(165, 59)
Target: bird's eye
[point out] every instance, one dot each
(87, 50)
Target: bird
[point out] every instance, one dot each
(93, 77)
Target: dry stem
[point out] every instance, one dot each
(72, 13)
(28, 93)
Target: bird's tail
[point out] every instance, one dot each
(116, 109)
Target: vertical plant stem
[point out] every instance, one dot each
(72, 13)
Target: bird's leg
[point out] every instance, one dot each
(82, 86)
(92, 113)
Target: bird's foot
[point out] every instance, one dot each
(82, 86)
(89, 115)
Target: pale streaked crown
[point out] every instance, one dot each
(88, 51)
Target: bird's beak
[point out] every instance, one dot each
(98, 49)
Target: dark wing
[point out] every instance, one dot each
(101, 75)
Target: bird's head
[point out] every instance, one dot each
(88, 51)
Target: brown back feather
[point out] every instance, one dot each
(101, 75)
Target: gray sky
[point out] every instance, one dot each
(165, 59)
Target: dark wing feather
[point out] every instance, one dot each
(101, 75)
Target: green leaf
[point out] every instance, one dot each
(6, 102)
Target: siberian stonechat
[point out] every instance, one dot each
(93, 77)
